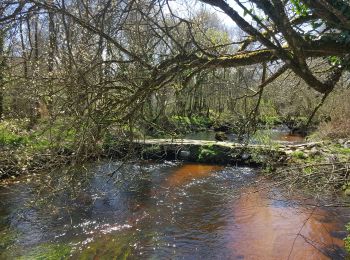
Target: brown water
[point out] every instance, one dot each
(291, 232)
(290, 138)
(163, 211)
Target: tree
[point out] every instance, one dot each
(104, 61)
(279, 29)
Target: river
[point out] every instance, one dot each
(280, 135)
(168, 210)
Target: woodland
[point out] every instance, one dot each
(89, 80)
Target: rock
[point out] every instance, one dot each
(341, 141)
(245, 156)
(326, 151)
(221, 136)
(314, 151)
(331, 158)
(185, 154)
(346, 144)
(288, 152)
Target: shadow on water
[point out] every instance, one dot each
(162, 211)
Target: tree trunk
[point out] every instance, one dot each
(2, 68)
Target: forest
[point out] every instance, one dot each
(112, 83)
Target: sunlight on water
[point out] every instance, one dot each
(190, 172)
(282, 232)
(165, 211)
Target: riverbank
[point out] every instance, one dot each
(316, 167)
(23, 152)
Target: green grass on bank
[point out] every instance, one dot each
(15, 135)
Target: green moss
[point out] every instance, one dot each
(109, 247)
(47, 251)
(347, 239)
(298, 155)
(207, 153)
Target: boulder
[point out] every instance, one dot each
(314, 151)
(221, 136)
(346, 144)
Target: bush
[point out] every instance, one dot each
(337, 115)
(338, 128)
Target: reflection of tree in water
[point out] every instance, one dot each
(134, 182)
(144, 206)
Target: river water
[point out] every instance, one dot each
(280, 135)
(168, 210)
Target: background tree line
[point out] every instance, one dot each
(89, 68)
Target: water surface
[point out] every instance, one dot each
(164, 210)
(281, 135)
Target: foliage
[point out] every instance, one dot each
(207, 153)
(11, 135)
(298, 155)
(189, 124)
(300, 8)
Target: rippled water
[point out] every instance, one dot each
(162, 211)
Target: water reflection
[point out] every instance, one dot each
(276, 232)
(190, 172)
(165, 211)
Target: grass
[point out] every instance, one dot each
(19, 146)
(45, 136)
(11, 137)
